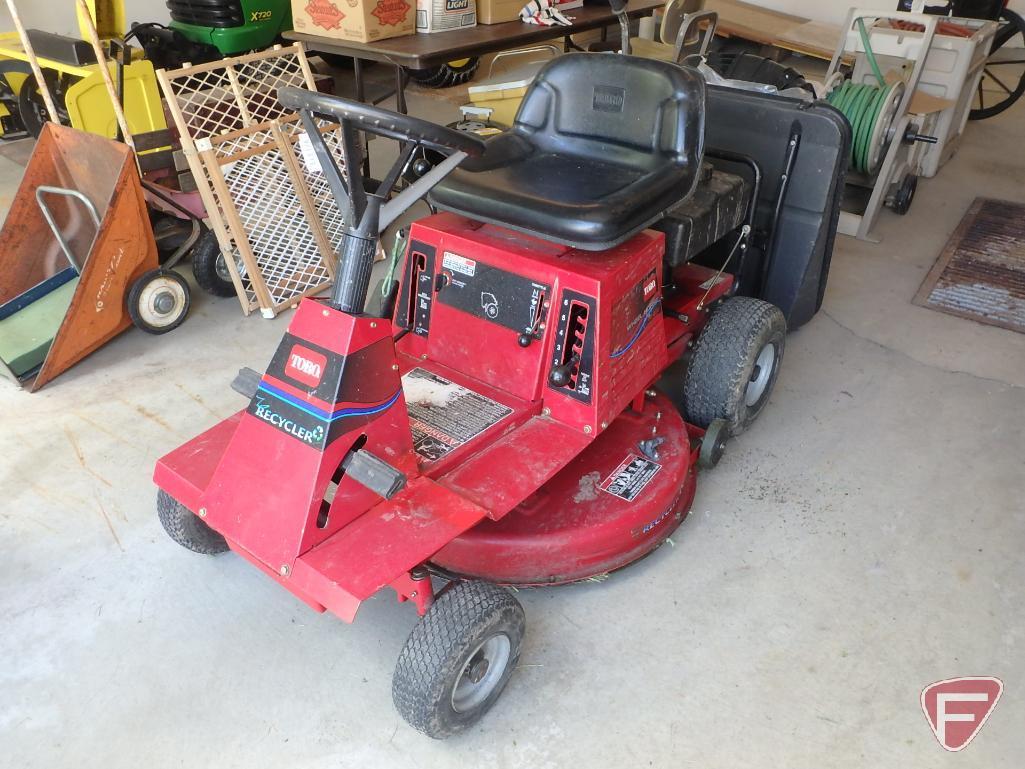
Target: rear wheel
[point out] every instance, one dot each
(447, 75)
(904, 195)
(210, 268)
(34, 114)
(186, 528)
(735, 364)
(1003, 74)
(458, 658)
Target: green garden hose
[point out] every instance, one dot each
(863, 104)
(397, 250)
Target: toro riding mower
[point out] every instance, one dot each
(500, 422)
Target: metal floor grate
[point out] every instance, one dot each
(981, 273)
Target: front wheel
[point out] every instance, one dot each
(186, 528)
(447, 75)
(735, 364)
(458, 658)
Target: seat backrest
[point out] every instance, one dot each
(592, 105)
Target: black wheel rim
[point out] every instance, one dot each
(1003, 75)
(34, 114)
(15, 128)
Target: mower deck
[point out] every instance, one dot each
(608, 507)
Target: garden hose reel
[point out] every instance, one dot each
(873, 112)
(883, 132)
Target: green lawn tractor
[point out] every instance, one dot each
(207, 30)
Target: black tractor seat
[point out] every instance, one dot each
(602, 146)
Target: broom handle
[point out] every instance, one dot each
(33, 62)
(101, 58)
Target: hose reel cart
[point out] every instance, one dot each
(887, 139)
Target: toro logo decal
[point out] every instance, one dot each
(650, 285)
(391, 13)
(304, 365)
(956, 708)
(324, 13)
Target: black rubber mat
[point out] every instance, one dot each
(981, 273)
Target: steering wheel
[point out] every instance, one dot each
(382, 122)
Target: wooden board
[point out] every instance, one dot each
(813, 38)
(752, 22)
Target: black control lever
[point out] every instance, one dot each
(560, 376)
(911, 136)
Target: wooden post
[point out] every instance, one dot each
(33, 62)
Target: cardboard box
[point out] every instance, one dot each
(497, 11)
(443, 15)
(362, 21)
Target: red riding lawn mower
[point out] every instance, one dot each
(498, 423)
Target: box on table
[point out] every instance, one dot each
(497, 11)
(362, 21)
(443, 15)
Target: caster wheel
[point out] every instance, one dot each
(905, 194)
(458, 658)
(713, 444)
(735, 364)
(210, 268)
(186, 528)
(159, 301)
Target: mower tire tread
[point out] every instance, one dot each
(724, 357)
(186, 528)
(462, 617)
(445, 75)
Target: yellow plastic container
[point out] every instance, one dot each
(502, 94)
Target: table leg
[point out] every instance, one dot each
(401, 78)
(357, 71)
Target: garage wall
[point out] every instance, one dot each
(59, 15)
(835, 10)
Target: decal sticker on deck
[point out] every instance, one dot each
(443, 415)
(631, 477)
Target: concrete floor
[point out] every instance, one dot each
(863, 540)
